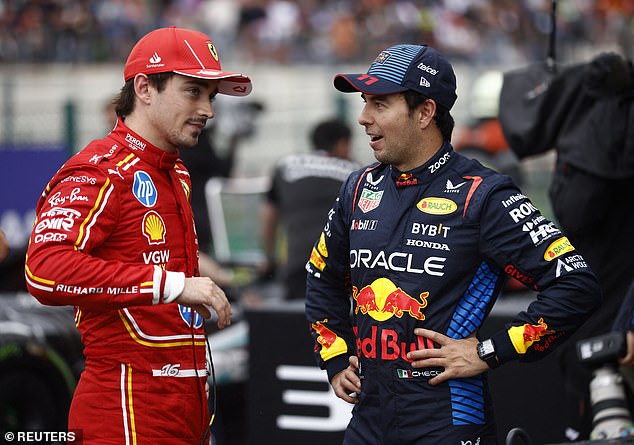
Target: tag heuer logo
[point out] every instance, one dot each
(369, 200)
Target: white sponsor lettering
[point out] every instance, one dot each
(525, 209)
(83, 179)
(49, 237)
(61, 211)
(122, 290)
(156, 257)
(331, 213)
(78, 290)
(513, 199)
(396, 261)
(568, 264)
(540, 233)
(427, 244)
(65, 224)
(430, 230)
(439, 163)
(428, 69)
(134, 143)
(58, 199)
(364, 224)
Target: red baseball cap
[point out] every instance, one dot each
(185, 52)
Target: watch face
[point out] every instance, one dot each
(486, 348)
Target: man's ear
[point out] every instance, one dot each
(426, 112)
(142, 88)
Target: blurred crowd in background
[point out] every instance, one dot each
(337, 31)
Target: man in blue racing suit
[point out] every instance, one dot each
(411, 259)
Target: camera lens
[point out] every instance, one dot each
(611, 416)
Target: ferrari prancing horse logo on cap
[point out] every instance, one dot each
(212, 50)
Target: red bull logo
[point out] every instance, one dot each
(382, 299)
(524, 336)
(405, 180)
(385, 344)
(331, 343)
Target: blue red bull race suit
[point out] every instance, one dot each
(432, 248)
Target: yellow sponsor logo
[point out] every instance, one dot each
(154, 228)
(321, 246)
(316, 260)
(437, 206)
(559, 247)
(524, 336)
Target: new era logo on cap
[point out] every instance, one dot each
(186, 52)
(405, 67)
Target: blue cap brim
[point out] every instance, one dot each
(364, 83)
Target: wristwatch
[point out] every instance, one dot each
(486, 352)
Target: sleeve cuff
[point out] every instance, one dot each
(335, 365)
(504, 347)
(167, 285)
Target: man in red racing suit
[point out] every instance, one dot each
(115, 238)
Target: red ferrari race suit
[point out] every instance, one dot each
(115, 238)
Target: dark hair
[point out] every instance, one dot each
(443, 118)
(124, 102)
(327, 133)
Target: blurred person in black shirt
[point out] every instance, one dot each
(303, 188)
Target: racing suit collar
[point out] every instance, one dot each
(142, 148)
(425, 172)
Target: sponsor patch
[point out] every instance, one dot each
(364, 224)
(437, 206)
(154, 228)
(143, 189)
(557, 248)
(321, 246)
(133, 142)
(382, 299)
(190, 316)
(331, 344)
(524, 336)
(569, 264)
(369, 200)
(316, 260)
(417, 373)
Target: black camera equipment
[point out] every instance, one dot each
(611, 414)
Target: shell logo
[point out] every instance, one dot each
(154, 228)
(437, 206)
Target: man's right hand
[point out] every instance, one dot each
(202, 295)
(347, 383)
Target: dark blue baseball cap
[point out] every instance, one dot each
(405, 67)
